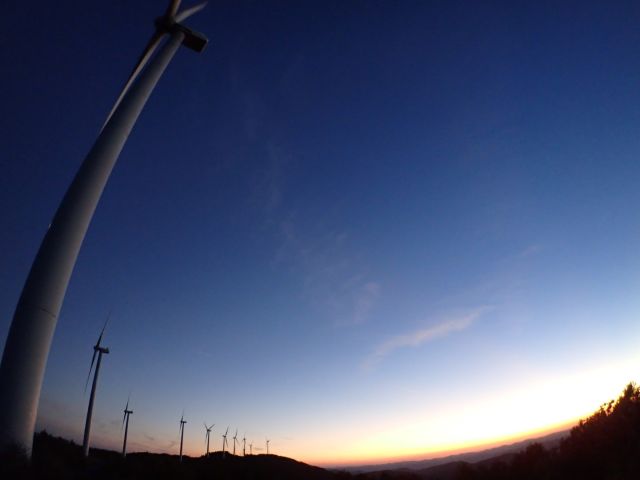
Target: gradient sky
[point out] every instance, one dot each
(367, 230)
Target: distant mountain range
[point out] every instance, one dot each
(548, 441)
(604, 445)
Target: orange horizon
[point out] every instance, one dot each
(455, 450)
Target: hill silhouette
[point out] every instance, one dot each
(605, 446)
(476, 456)
(58, 458)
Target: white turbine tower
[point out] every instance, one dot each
(98, 350)
(125, 424)
(224, 441)
(182, 422)
(207, 435)
(34, 320)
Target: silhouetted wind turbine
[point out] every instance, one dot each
(208, 429)
(182, 422)
(267, 446)
(36, 314)
(251, 449)
(97, 350)
(125, 423)
(235, 441)
(244, 445)
(224, 441)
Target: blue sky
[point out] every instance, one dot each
(346, 226)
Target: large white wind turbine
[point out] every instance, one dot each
(98, 350)
(125, 424)
(182, 422)
(207, 435)
(34, 320)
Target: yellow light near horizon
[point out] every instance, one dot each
(535, 407)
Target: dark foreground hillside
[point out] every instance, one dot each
(605, 446)
(57, 458)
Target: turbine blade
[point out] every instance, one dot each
(172, 8)
(93, 359)
(103, 328)
(183, 15)
(142, 61)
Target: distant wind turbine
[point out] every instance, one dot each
(224, 441)
(267, 446)
(98, 350)
(182, 422)
(251, 449)
(244, 445)
(208, 429)
(125, 423)
(235, 436)
(34, 321)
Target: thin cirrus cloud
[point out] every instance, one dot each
(333, 277)
(364, 300)
(420, 337)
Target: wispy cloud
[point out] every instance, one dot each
(332, 273)
(424, 335)
(364, 300)
(171, 445)
(333, 279)
(529, 251)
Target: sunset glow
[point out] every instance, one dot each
(367, 231)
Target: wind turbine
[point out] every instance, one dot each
(224, 441)
(36, 314)
(251, 449)
(98, 350)
(208, 429)
(267, 446)
(125, 423)
(235, 441)
(182, 422)
(244, 445)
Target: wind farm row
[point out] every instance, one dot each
(98, 351)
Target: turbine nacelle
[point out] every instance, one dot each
(193, 40)
(169, 23)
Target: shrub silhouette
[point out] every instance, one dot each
(605, 446)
